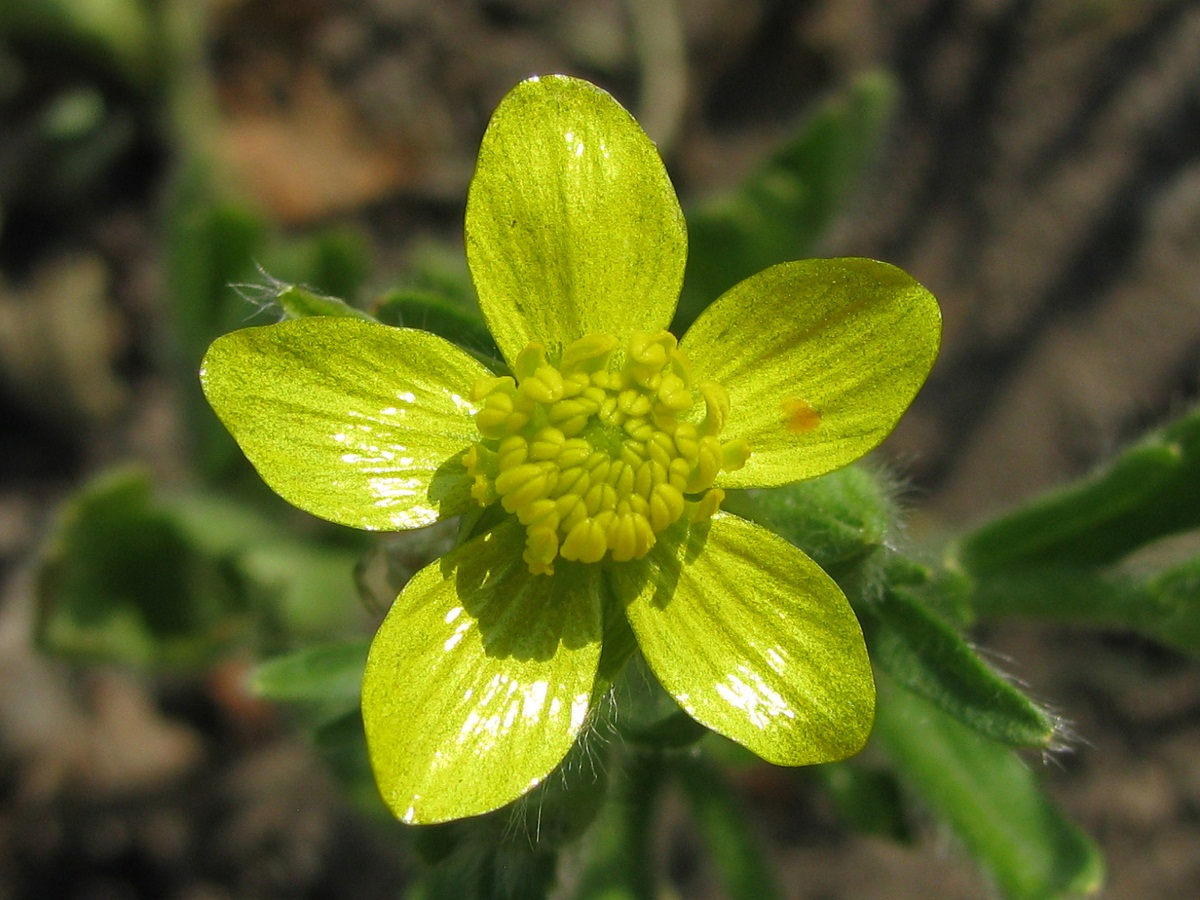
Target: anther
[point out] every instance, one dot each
(592, 456)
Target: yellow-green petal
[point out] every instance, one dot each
(753, 640)
(573, 227)
(479, 679)
(355, 422)
(820, 358)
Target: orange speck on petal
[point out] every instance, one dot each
(799, 416)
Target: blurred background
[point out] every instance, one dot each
(1035, 163)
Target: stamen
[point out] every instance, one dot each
(592, 456)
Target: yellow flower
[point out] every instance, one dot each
(590, 476)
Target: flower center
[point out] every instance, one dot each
(603, 452)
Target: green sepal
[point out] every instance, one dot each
(572, 225)
(928, 657)
(296, 302)
(752, 639)
(820, 358)
(1150, 491)
(788, 203)
(868, 798)
(480, 679)
(842, 520)
(646, 715)
(619, 646)
(355, 422)
(431, 312)
(989, 798)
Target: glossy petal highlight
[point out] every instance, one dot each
(479, 679)
(355, 422)
(820, 358)
(753, 640)
(573, 226)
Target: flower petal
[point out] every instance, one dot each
(356, 422)
(479, 679)
(753, 640)
(573, 226)
(820, 358)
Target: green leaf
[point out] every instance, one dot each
(990, 799)
(480, 679)
(121, 581)
(867, 798)
(310, 587)
(1150, 491)
(572, 224)
(122, 30)
(358, 423)
(329, 672)
(618, 854)
(928, 657)
(211, 247)
(1165, 607)
(787, 205)
(820, 358)
(735, 850)
(343, 748)
(302, 588)
(429, 312)
(752, 639)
